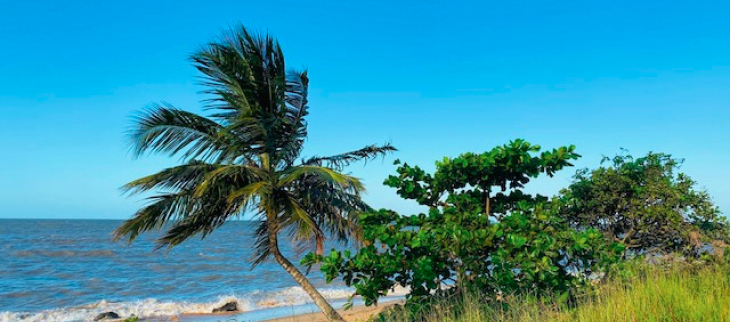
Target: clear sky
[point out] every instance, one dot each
(434, 79)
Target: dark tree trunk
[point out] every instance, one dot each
(320, 245)
(487, 205)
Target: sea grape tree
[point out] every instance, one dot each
(646, 204)
(462, 181)
(470, 237)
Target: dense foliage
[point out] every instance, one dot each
(463, 181)
(522, 246)
(645, 204)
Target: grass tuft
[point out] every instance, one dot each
(675, 294)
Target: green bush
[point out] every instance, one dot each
(646, 204)
(530, 250)
(471, 239)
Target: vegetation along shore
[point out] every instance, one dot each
(631, 240)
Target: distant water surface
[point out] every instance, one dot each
(70, 270)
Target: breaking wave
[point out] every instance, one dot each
(156, 310)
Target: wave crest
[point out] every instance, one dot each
(164, 310)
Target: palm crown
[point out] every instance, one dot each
(245, 156)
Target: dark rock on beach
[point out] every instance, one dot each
(106, 316)
(228, 307)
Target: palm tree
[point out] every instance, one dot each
(244, 158)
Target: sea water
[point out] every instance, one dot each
(71, 270)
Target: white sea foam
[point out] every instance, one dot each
(153, 309)
(296, 296)
(149, 308)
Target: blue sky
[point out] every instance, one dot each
(434, 79)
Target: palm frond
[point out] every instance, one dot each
(301, 225)
(182, 177)
(229, 76)
(297, 87)
(326, 174)
(243, 72)
(340, 161)
(295, 216)
(228, 177)
(165, 129)
(335, 209)
(262, 246)
(297, 91)
(201, 222)
(204, 212)
(163, 209)
(240, 198)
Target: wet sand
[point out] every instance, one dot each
(301, 313)
(356, 314)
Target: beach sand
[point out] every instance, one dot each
(307, 313)
(356, 314)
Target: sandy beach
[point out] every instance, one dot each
(304, 313)
(356, 314)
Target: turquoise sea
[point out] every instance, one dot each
(70, 270)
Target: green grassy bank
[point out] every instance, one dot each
(677, 294)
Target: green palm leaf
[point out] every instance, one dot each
(342, 160)
(183, 177)
(327, 175)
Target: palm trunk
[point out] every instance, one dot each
(320, 245)
(318, 299)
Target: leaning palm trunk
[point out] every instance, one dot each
(244, 159)
(306, 285)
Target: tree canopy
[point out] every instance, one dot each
(459, 182)
(645, 203)
(524, 246)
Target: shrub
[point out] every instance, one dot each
(470, 239)
(646, 204)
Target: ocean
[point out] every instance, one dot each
(70, 271)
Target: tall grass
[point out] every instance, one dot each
(677, 294)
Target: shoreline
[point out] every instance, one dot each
(301, 313)
(153, 311)
(358, 313)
